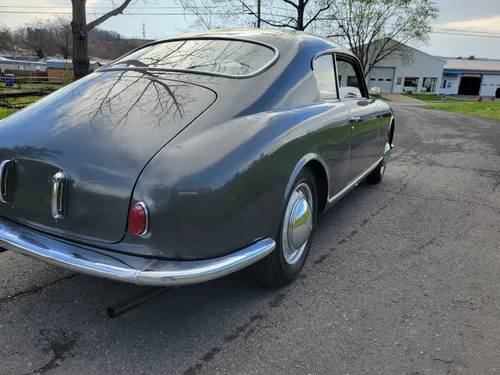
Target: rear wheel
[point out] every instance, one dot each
(293, 242)
(377, 174)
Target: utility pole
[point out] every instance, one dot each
(258, 14)
(143, 30)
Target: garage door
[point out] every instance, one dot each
(489, 85)
(381, 77)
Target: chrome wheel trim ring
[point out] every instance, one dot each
(297, 223)
(382, 168)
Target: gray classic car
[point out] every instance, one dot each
(191, 158)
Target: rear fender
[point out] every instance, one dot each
(218, 190)
(303, 163)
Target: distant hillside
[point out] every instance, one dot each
(113, 50)
(110, 45)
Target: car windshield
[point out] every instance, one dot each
(218, 56)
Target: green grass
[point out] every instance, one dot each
(383, 98)
(18, 102)
(491, 110)
(433, 98)
(4, 112)
(31, 86)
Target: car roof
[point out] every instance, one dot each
(281, 39)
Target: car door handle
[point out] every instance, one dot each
(4, 184)
(354, 119)
(58, 186)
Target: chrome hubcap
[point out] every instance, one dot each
(297, 223)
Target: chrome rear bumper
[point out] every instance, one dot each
(126, 268)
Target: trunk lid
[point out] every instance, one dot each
(100, 131)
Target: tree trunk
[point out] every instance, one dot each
(300, 15)
(39, 53)
(80, 42)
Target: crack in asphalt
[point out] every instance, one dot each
(441, 199)
(35, 290)
(61, 344)
(496, 184)
(450, 362)
(430, 242)
(245, 330)
(426, 163)
(365, 221)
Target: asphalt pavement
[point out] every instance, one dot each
(402, 278)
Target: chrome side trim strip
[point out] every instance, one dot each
(127, 268)
(4, 174)
(354, 182)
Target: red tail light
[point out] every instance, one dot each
(138, 219)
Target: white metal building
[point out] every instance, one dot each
(7, 64)
(416, 72)
(471, 77)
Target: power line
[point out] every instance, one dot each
(95, 7)
(126, 13)
(131, 8)
(463, 34)
(187, 13)
(88, 6)
(467, 31)
(444, 31)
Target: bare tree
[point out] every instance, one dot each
(6, 38)
(210, 14)
(60, 28)
(80, 29)
(378, 29)
(36, 36)
(286, 14)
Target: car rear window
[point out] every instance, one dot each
(219, 56)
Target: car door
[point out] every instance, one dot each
(334, 139)
(364, 115)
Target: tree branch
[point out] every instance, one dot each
(291, 3)
(108, 15)
(270, 23)
(321, 10)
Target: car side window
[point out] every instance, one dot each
(350, 77)
(324, 72)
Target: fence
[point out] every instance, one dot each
(38, 80)
(27, 75)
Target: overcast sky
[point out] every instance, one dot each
(473, 15)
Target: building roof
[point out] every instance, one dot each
(68, 64)
(474, 65)
(4, 61)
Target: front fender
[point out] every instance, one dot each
(225, 187)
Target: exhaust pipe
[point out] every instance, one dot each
(121, 308)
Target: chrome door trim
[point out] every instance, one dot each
(355, 182)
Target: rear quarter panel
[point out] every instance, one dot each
(386, 117)
(214, 192)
